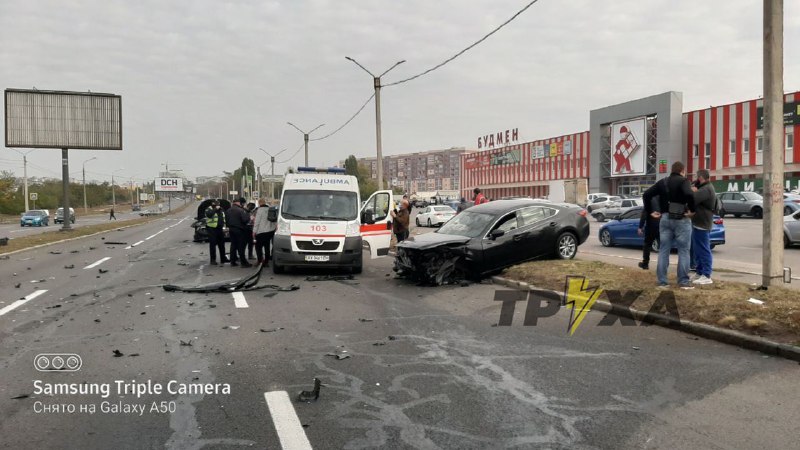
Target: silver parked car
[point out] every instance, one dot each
(741, 204)
(791, 229)
(602, 202)
(616, 209)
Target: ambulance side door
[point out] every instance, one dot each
(378, 233)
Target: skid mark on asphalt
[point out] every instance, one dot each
(19, 303)
(287, 424)
(97, 263)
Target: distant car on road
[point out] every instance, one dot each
(136, 207)
(35, 217)
(60, 216)
(435, 215)
(622, 231)
(150, 212)
(741, 204)
(615, 209)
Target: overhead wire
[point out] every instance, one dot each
(293, 154)
(348, 120)
(466, 49)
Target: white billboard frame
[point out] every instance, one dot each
(161, 187)
(628, 152)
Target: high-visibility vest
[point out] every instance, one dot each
(212, 222)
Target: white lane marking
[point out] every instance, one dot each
(152, 236)
(239, 301)
(133, 245)
(287, 424)
(19, 303)
(97, 263)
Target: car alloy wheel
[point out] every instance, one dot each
(567, 246)
(600, 217)
(605, 238)
(758, 213)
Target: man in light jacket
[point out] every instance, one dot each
(702, 223)
(263, 231)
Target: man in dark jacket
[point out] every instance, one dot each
(648, 227)
(238, 220)
(215, 226)
(676, 208)
(702, 223)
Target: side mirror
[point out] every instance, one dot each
(496, 233)
(272, 214)
(367, 217)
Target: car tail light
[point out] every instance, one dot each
(582, 213)
(718, 221)
(796, 201)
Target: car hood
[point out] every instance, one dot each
(431, 240)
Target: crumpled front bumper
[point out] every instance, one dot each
(433, 266)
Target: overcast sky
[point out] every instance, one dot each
(205, 83)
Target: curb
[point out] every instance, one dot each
(729, 337)
(70, 239)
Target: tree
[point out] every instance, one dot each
(351, 167)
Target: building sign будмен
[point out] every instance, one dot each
(501, 138)
(628, 148)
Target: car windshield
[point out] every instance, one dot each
(319, 205)
(443, 209)
(751, 196)
(468, 223)
(34, 213)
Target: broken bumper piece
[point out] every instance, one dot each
(433, 266)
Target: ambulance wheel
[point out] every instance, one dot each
(357, 268)
(276, 269)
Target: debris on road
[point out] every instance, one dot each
(71, 266)
(433, 267)
(755, 301)
(115, 243)
(118, 354)
(307, 396)
(338, 356)
(75, 251)
(55, 252)
(21, 396)
(270, 330)
(97, 320)
(186, 343)
(246, 283)
(102, 270)
(379, 343)
(329, 277)
(18, 285)
(230, 327)
(365, 320)
(53, 307)
(392, 338)
(133, 355)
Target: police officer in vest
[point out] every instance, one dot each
(215, 223)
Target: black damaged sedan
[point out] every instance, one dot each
(489, 237)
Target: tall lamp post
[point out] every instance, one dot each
(85, 205)
(305, 136)
(113, 195)
(24, 174)
(376, 80)
(272, 168)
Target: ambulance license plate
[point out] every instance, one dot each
(318, 258)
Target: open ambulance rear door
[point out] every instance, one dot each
(377, 233)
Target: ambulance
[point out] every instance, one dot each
(321, 222)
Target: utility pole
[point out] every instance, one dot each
(305, 137)
(772, 245)
(272, 165)
(376, 81)
(66, 223)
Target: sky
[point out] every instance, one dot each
(206, 83)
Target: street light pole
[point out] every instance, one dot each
(113, 195)
(305, 136)
(272, 165)
(24, 174)
(376, 81)
(85, 205)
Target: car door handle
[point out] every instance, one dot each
(552, 224)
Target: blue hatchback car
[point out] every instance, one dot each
(34, 217)
(623, 231)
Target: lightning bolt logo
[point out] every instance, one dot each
(580, 298)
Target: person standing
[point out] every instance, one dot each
(238, 219)
(111, 214)
(676, 208)
(215, 225)
(263, 232)
(401, 221)
(462, 205)
(648, 227)
(703, 221)
(251, 242)
(479, 197)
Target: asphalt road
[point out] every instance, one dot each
(13, 230)
(428, 368)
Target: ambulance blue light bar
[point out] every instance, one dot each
(338, 170)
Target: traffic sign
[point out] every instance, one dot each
(34, 196)
(151, 197)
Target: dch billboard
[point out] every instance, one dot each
(628, 148)
(169, 184)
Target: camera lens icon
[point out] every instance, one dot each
(57, 362)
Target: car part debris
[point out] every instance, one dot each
(21, 396)
(53, 307)
(230, 327)
(307, 396)
(365, 320)
(118, 354)
(71, 266)
(378, 343)
(755, 301)
(246, 283)
(270, 330)
(102, 270)
(55, 252)
(75, 251)
(18, 285)
(186, 343)
(132, 355)
(115, 243)
(433, 267)
(4, 241)
(97, 320)
(329, 277)
(338, 356)
(392, 338)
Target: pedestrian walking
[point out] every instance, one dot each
(705, 199)
(400, 222)
(263, 232)
(111, 214)
(215, 226)
(676, 208)
(648, 227)
(238, 220)
(479, 197)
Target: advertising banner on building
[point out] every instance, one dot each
(628, 148)
(506, 157)
(567, 148)
(553, 149)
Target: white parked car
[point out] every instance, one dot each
(602, 202)
(592, 197)
(434, 215)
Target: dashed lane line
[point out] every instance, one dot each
(239, 300)
(19, 303)
(287, 424)
(97, 263)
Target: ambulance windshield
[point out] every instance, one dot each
(319, 205)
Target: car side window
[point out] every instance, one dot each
(533, 214)
(507, 223)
